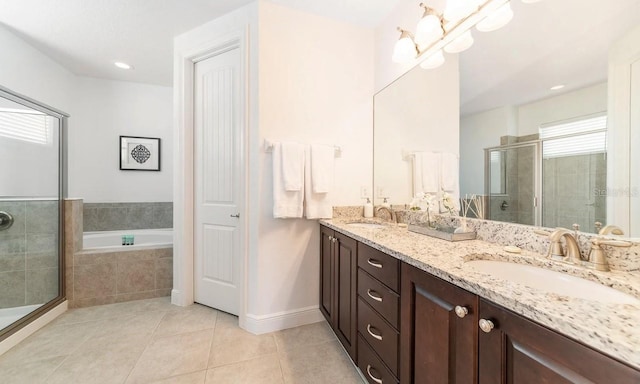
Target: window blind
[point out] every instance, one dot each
(576, 137)
(27, 126)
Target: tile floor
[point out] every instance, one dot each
(152, 341)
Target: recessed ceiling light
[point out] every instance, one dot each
(122, 65)
(556, 87)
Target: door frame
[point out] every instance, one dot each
(186, 55)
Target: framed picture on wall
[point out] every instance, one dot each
(139, 153)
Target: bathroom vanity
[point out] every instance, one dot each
(409, 309)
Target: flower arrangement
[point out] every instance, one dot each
(448, 203)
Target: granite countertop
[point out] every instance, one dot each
(613, 329)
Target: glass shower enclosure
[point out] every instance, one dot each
(31, 210)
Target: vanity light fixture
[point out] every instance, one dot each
(433, 61)
(122, 65)
(450, 30)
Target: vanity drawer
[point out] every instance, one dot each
(371, 366)
(379, 265)
(379, 335)
(379, 297)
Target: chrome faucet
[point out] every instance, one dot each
(392, 213)
(555, 248)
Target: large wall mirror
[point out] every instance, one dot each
(526, 109)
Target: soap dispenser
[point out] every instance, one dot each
(385, 202)
(368, 209)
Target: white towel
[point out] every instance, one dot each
(322, 167)
(286, 204)
(292, 166)
(317, 205)
(417, 173)
(431, 172)
(449, 178)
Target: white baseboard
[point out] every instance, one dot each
(176, 297)
(259, 324)
(33, 327)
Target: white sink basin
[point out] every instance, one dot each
(552, 281)
(367, 225)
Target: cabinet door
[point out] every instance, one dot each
(436, 345)
(520, 351)
(326, 274)
(345, 288)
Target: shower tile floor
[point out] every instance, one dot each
(152, 341)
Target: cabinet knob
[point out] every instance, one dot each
(486, 325)
(334, 239)
(461, 311)
(377, 380)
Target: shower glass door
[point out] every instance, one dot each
(30, 210)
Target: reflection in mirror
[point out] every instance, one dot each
(30, 206)
(533, 116)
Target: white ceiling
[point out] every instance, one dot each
(547, 43)
(87, 36)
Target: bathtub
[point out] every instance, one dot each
(143, 239)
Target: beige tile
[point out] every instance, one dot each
(136, 276)
(12, 289)
(92, 301)
(128, 330)
(164, 272)
(262, 370)
(189, 319)
(305, 335)
(172, 356)
(135, 296)
(51, 341)
(189, 378)
(42, 285)
(321, 363)
(33, 372)
(110, 363)
(231, 344)
(94, 280)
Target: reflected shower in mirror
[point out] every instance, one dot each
(531, 123)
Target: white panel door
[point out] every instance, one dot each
(218, 198)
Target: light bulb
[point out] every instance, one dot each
(461, 43)
(428, 30)
(404, 50)
(498, 19)
(459, 9)
(433, 61)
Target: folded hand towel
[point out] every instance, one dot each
(417, 173)
(317, 205)
(286, 204)
(292, 166)
(450, 172)
(322, 167)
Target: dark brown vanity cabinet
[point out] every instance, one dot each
(516, 350)
(378, 315)
(338, 267)
(439, 328)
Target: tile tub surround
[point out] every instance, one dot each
(29, 258)
(104, 277)
(609, 328)
(117, 216)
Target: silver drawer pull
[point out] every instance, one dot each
(375, 336)
(375, 297)
(375, 263)
(379, 381)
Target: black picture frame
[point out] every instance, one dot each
(139, 153)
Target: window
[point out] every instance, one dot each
(584, 135)
(25, 125)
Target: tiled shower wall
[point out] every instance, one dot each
(29, 253)
(119, 216)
